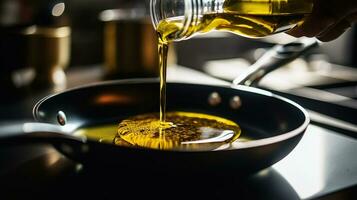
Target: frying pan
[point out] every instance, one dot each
(274, 124)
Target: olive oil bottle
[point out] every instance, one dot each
(249, 18)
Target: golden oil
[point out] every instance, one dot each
(190, 132)
(163, 49)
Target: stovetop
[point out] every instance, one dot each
(322, 166)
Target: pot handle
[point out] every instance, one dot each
(275, 58)
(14, 133)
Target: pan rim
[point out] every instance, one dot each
(281, 137)
(239, 145)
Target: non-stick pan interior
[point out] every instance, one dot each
(261, 114)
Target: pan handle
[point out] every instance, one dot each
(275, 58)
(15, 133)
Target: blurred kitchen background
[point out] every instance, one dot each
(53, 45)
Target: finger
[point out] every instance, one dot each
(314, 25)
(334, 32)
(352, 18)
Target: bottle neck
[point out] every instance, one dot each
(194, 11)
(180, 19)
(212, 6)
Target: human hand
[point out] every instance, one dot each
(328, 20)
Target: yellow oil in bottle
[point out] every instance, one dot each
(249, 18)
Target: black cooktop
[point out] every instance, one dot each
(322, 164)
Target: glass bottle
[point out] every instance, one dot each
(180, 19)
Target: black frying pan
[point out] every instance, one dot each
(274, 124)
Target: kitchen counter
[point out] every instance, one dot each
(322, 166)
